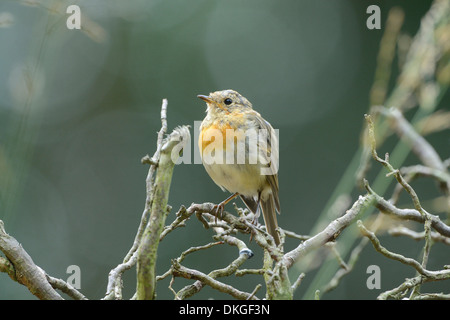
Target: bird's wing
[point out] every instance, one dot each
(268, 149)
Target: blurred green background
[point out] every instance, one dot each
(79, 108)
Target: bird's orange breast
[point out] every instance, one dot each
(215, 132)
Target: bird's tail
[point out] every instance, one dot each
(270, 218)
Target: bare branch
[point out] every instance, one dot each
(26, 272)
(408, 214)
(402, 231)
(180, 271)
(329, 233)
(66, 288)
(419, 145)
(425, 275)
(202, 279)
(395, 256)
(146, 258)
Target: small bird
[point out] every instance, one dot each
(239, 150)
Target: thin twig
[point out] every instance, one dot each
(434, 275)
(66, 288)
(407, 214)
(297, 282)
(181, 271)
(114, 278)
(402, 231)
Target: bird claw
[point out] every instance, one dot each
(255, 220)
(251, 236)
(218, 211)
(218, 208)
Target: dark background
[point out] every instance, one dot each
(78, 110)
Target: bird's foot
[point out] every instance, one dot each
(218, 210)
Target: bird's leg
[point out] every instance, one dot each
(256, 215)
(258, 210)
(220, 207)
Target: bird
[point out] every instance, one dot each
(239, 150)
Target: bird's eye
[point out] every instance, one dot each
(228, 101)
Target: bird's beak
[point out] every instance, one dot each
(205, 98)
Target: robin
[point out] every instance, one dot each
(239, 150)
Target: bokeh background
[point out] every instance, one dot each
(79, 109)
